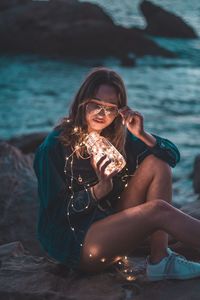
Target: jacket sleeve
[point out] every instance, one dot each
(166, 150)
(53, 187)
(163, 149)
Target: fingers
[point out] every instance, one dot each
(112, 174)
(97, 164)
(100, 161)
(124, 111)
(129, 117)
(101, 166)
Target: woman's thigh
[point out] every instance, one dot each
(118, 234)
(139, 183)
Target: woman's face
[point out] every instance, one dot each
(100, 117)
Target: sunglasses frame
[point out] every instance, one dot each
(104, 107)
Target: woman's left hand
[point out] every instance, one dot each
(133, 120)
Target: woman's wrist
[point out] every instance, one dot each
(148, 139)
(93, 193)
(101, 189)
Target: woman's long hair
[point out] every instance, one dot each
(74, 127)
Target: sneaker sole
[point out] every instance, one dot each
(161, 277)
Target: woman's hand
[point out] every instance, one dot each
(105, 184)
(133, 120)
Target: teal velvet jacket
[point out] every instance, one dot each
(53, 228)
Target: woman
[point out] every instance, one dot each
(88, 220)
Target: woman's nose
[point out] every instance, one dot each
(102, 112)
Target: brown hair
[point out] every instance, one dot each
(74, 127)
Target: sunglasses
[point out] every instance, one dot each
(94, 108)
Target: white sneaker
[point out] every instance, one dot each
(173, 266)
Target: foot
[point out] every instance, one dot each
(156, 258)
(173, 266)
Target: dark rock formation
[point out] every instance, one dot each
(37, 278)
(24, 276)
(7, 4)
(127, 61)
(196, 175)
(18, 198)
(164, 23)
(28, 143)
(59, 27)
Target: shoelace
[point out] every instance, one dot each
(171, 262)
(182, 258)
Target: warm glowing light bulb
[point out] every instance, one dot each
(130, 278)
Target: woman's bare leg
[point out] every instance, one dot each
(152, 180)
(118, 234)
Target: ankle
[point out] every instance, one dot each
(155, 258)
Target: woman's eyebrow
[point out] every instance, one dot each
(107, 101)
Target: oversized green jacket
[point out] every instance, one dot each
(53, 229)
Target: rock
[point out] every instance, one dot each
(12, 249)
(196, 174)
(7, 4)
(18, 198)
(37, 278)
(28, 143)
(128, 61)
(164, 23)
(72, 28)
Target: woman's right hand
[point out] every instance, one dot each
(105, 184)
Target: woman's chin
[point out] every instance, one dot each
(96, 127)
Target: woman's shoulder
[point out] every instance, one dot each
(52, 140)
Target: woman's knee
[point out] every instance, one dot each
(161, 209)
(157, 165)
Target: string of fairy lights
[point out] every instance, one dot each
(88, 188)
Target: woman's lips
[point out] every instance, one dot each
(99, 121)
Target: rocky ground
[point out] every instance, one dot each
(26, 272)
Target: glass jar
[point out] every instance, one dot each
(99, 146)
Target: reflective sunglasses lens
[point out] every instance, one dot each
(112, 110)
(93, 107)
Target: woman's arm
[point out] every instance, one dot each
(154, 144)
(161, 147)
